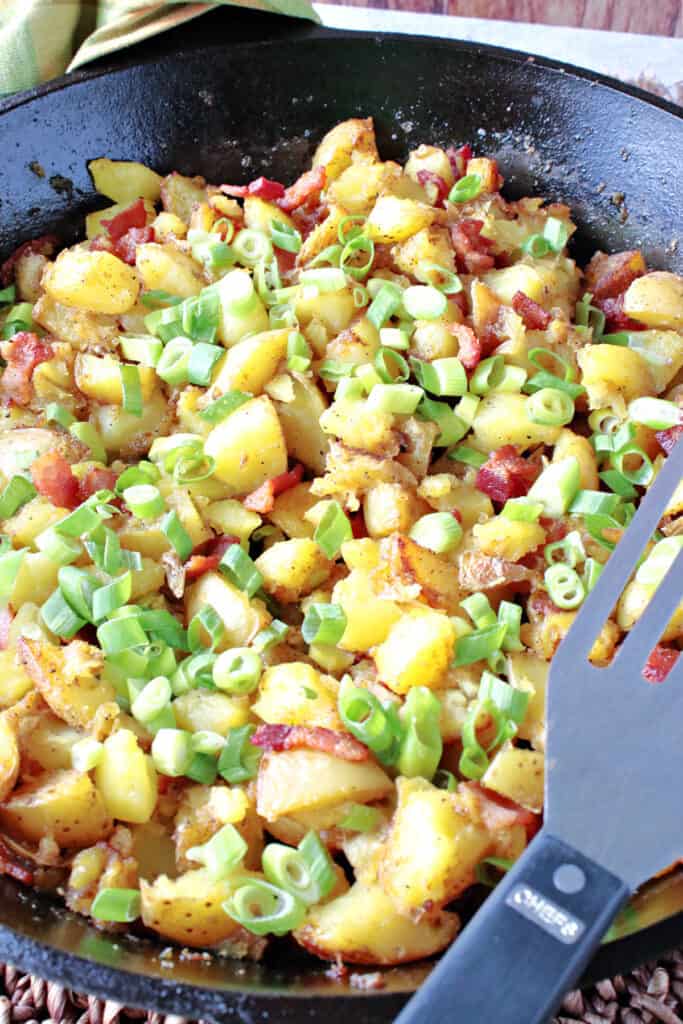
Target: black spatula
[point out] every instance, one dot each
(615, 750)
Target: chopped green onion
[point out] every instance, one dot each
(177, 535)
(308, 878)
(241, 570)
(123, 905)
(89, 435)
(511, 702)
(594, 503)
(400, 399)
(334, 369)
(299, 353)
(421, 745)
(618, 483)
(474, 760)
(269, 637)
(539, 355)
(543, 380)
(207, 618)
(82, 520)
(466, 189)
(86, 754)
(511, 379)
(333, 530)
(556, 487)
(444, 779)
(550, 407)
(173, 365)
(57, 413)
(655, 566)
(469, 456)
(564, 586)
(356, 221)
(349, 389)
(19, 318)
(537, 246)
(391, 366)
(152, 699)
(222, 407)
(656, 413)
(207, 742)
(556, 233)
(485, 877)
(202, 769)
(143, 349)
(62, 550)
(8, 295)
(197, 670)
(570, 550)
(479, 609)
(438, 531)
(368, 376)
(323, 624)
(132, 391)
(360, 296)
(282, 316)
(144, 501)
(591, 573)
(120, 634)
(325, 279)
(479, 645)
(263, 908)
(10, 564)
(331, 254)
(158, 297)
(57, 613)
(424, 302)
(440, 277)
(590, 316)
(143, 473)
(285, 236)
(394, 337)
(510, 615)
(467, 409)
(172, 752)
(239, 758)
(78, 587)
(359, 818)
(443, 377)
(384, 304)
(452, 428)
(200, 315)
(113, 595)
(370, 722)
(203, 358)
(620, 338)
(15, 494)
(237, 671)
(596, 525)
(487, 375)
(220, 854)
(348, 261)
(252, 247)
(522, 510)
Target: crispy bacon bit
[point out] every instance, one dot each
(206, 556)
(434, 185)
(261, 187)
(473, 252)
(125, 247)
(54, 479)
(534, 316)
(293, 737)
(96, 480)
(659, 664)
(610, 276)
(469, 345)
(498, 813)
(615, 318)
(134, 216)
(358, 527)
(539, 605)
(286, 261)
(25, 352)
(305, 188)
(6, 617)
(667, 438)
(11, 865)
(263, 498)
(459, 158)
(506, 474)
(45, 246)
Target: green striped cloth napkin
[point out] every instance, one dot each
(43, 38)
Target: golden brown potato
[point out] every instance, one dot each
(351, 141)
(417, 651)
(300, 423)
(94, 281)
(296, 694)
(64, 805)
(68, 679)
(249, 446)
(124, 181)
(242, 619)
(656, 300)
(189, 909)
(518, 775)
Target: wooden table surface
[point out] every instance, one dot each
(655, 17)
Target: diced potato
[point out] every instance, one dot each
(360, 553)
(445, 492)
(99, 377)
(79, 328)
(433, 339)
(144, 536)
(127, 779)
(429, 158)
(166, 267)
(31, 519)
(363, 926)
(568, 444)
(530, 673)
(15, 681)
(292, 568)
(296, 694)
(168, 227)
(299, 780)
(430, 245)
(546, 635)
(352, 141)
(218, 712)
(518, 775)
(250, 364)
(124, 181)
(189, 909)
(64, 805)
(147, 580)
(656, 300)
(394, 220)
(28, 272)
(93, 222)
(508, 538)
(126, 434)
(613, 373)
(49, 742)
(95, 281)
(357, 344)
(520, 277)
(487, 170)
(485, 303)
(248, 446)
(300, 422)
(405, 563)
(357, 188)
(179, 194)
(36, 579)
(502, 419)
(290, 509)
(9, 754)
(231, 518)
(359, 425)
(369, 617)
(417, 651)
(185, 508)
(323, 234)
(242, 619)
(334, 310)
(431, 851)
(68, 679)
(663, 351)
(389, 508)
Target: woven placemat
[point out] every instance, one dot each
(649, 994)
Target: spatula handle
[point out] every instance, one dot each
(528, 944)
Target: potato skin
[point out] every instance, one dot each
(64, 805)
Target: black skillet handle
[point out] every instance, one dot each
(527, 945)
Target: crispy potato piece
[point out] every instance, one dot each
(126, 778)
(166, 267)
(359, 425)
(614, 374)
(352, 141)
(390, 508)
(79, 327)
(203, 810)
(299, 780)
(68, 679)
(300, 422)
(369, 617)
(15, 682)
(394, 220)
(656, 300)
(250, 364)
(130, 436)
(95, 281)
(502, 419)
(517, 775)
(508, 538)
(99, 377)
(293, 568)
(64, 805)
(125, 180)
(364, 927)
(290, 509)
(202, 709)
(249, 446)
(9, 755)
(417, 651)
(296, 694)
(426, 575)
(179, 194)
(189, 910)
(568, 444)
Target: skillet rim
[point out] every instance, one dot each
(102, 979)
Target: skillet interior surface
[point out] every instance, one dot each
(232, 112)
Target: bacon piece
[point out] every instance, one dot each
(96, 480)
(473, 252)
(667, 438)
(134, 216)
(459, 159)
(206, 556)
(615, 318)
(497, 813)
(127, 244)
(358, 527)
(45, 246)
(609, 276)
(534, 316)
(539, 605)
(54, 479)
(659, 664)
(25, 352)
(469, 345)
(293, 737)
(11, 865)
(263, 498)
(434, 185)
(6, 617)
(286, 261)
(308, 186)
(506, 474)
(261, 187)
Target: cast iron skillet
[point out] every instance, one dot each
(234, 96)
